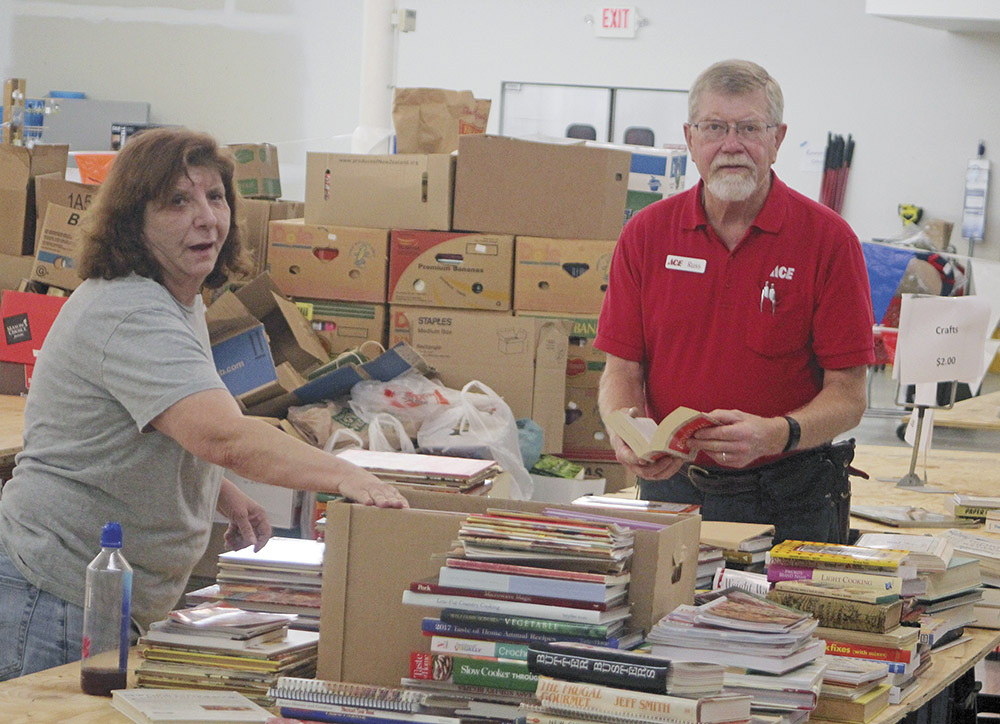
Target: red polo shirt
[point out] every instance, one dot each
(702, 319)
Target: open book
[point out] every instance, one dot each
(671, 437)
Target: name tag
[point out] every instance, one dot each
(685, 263)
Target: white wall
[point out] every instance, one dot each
(916, 99)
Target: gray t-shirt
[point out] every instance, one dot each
(119, 354)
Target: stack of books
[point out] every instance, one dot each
(985, 548)
(306, 699)
(738, 629)
(517, 579)
(563, 701)
(285, 576)
(789, 698)
(710, 560)
(216, 647)
(439, 473)
(972, 506)
(855, 592)
(953, 584)
(853, 690)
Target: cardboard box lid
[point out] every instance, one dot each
(372, 554)
(511, 186)
(19, 165)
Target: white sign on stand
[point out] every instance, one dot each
(941, 338)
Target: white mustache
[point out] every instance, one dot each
(732, 160)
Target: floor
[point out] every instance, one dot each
(878, 427)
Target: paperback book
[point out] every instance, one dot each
(155, 706)
(671, 436)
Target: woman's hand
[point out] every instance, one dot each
(248, 523)
(363, 487)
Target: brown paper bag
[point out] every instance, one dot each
(430, 120)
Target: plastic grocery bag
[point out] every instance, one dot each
(380, 441)
(480, 424)
(410, 398)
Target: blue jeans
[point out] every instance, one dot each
(37, 630)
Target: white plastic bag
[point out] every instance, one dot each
(410, 398)
(378, 440)
(479, 425)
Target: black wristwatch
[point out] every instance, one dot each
(794, 433)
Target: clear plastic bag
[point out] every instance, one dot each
(397, 441)
(410, 398)
(480, 424)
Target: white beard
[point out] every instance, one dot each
(730, 187)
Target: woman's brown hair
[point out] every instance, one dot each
(146, 170)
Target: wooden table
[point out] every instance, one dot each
(54, 696)
(975, 413)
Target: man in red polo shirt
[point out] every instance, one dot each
(750, 301)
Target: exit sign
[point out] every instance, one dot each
(612, 21)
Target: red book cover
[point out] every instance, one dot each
(26, 318)
(861, 651)
(431, 587)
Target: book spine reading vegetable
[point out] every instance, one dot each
(527, 623)
(641, 672)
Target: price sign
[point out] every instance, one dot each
(941, 338)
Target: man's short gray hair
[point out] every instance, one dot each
(737, 78)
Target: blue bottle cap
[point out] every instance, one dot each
(111, 536)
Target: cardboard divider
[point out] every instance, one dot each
(373, 554)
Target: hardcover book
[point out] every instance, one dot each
(927, 552)
(874, 581)
(858, 711)
(529, 585)
(624, 669)
(842, 612)
(588, 699)
(671, 436)
(850, 592)
(516, 608)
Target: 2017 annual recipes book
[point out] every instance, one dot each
(672, 436)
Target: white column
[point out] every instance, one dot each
(377, 78)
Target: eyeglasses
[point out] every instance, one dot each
(717, 130)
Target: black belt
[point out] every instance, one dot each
(728, 480)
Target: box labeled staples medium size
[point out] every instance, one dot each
(511, 186)
(328, 262)
(523, 360)
(447, 269)
(403, 191)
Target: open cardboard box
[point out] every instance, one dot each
(373, 554)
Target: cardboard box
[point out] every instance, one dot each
(59, 247)
(257, 174)
(584, 362)
(14, 269)
(404, 191)
(561, 275)
(52, 187)
(328, 262)
(615, 476)
(510, 186)
(254, 217)
(342, 326)
(372, 555)
(15, 378)
(447, 269)
(584, 435)
(654, 173)
(244, 361)
(522, 359)
(18, 169)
